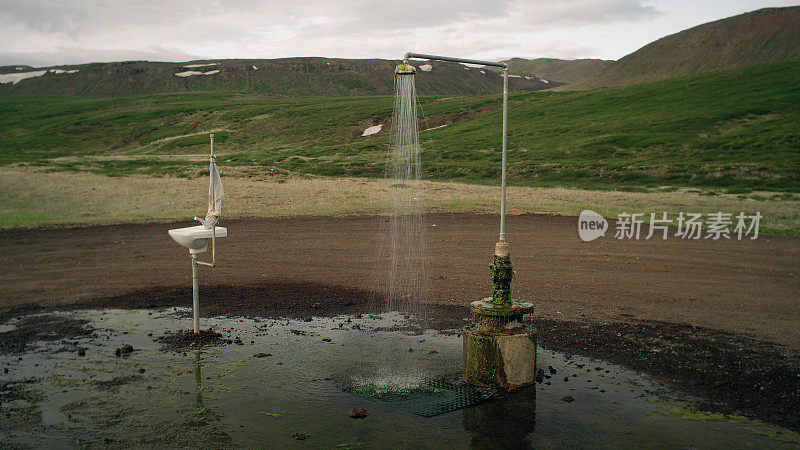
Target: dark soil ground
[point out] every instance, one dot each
(717, 319)
(187, 339)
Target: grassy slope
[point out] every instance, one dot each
(736, 129)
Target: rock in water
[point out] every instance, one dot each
(358, 413)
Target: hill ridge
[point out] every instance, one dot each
(295, 76)
(761, 36)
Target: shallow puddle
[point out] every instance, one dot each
(298, 386)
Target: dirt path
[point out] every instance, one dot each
(744, 287)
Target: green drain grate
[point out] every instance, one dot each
(426, 397)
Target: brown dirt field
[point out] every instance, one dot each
(749, 287)
(717, 319)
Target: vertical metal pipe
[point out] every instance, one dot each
(195, 294)
(211, 161)
(503, 170)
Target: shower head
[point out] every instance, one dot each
(405, 69)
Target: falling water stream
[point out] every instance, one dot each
(406, 283)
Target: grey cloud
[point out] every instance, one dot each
(581, 12)
(93, 29)
(65, 55)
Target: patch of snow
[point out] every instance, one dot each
(63, 71)
(483, 72)
(255, 67)
(435, 128)
(528, 78)
(191, 73)
(515, 76)
(195, 66)
(372, 130)
(188, 73)
(544, 81)
(20, 68)
(15, 78)
(426, 67)
(466, 68)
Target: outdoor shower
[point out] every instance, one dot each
(499, 349)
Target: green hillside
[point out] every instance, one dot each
(736, 129)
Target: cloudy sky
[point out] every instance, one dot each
(48, 32)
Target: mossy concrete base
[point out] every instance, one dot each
(505, 360)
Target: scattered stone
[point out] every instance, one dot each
(358, 413)
(280, 363)
(141, 370)
(189, 339)
(5, 369)
(566, 378)
(262, 355)
(539, 376)
(410, 349)
(81, 352)
(326, 339)
(602, 390)
(552, 371)
(432, 352)
(568, 398)
(299, 332)
(301, 436)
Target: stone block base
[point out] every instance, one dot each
(505, 360)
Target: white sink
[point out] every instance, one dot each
(196, 238)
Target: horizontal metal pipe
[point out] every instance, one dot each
(410, 55)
